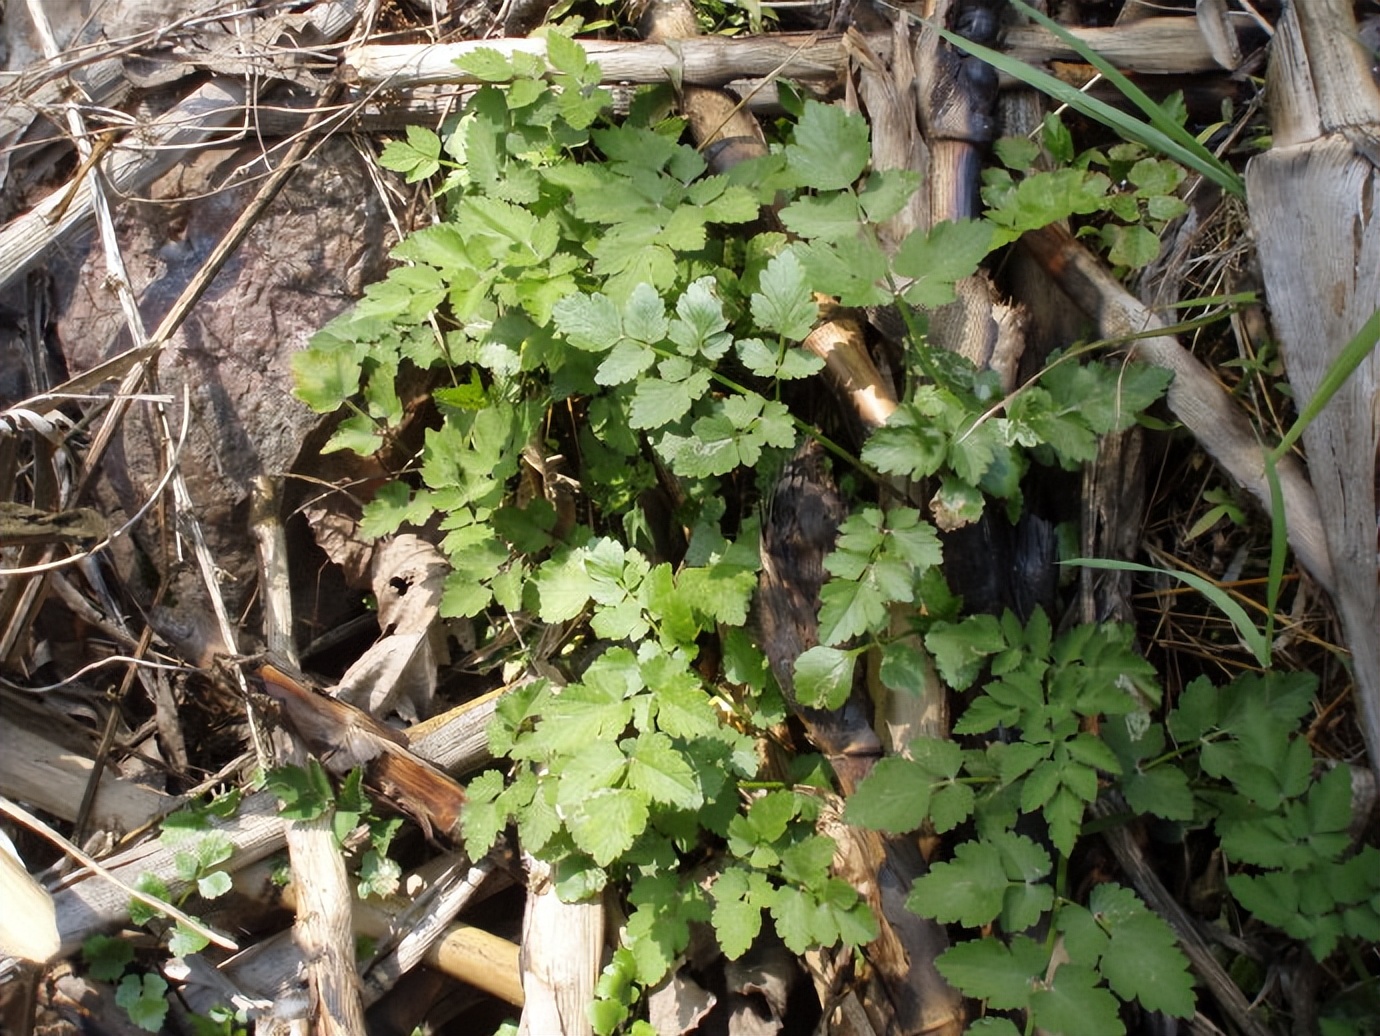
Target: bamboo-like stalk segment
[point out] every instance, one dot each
(1153, 46)
(703, 61)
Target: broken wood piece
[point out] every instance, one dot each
(214, 113)
(411, 927)
(342, 737)
(1151, 46)
(838, 341)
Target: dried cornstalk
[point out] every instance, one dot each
(562, 949)
(1311, 199)
(323, 930)
(705, 61)
(1151, 46)
(53, 777)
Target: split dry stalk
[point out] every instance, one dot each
(1311, 199)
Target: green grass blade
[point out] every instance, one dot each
(1279, 545)
(1250, 634)
(1347, 361)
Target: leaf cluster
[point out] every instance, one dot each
(596, 298)
(1127, 193)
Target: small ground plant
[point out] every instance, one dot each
(603, 320)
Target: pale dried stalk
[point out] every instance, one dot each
(256, 831)
(421, 924)
(27, 819)
(199, 119)
(275, 586)
(1151, 46)
(562, 944)
(51, 777)
(324, 930)
(702, 61)
(1311, 200)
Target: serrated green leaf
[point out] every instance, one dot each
(1163, 791)
(1143, 961)
(909, 444)
(793, 913)
(740, 897)
(1075, 1004)
(326, 377)
(829, 149)
(824, 676)
(807, 862)
(625, 362)
(887, 191)
(950, 806)
(969, 889)
(589, 322)
(600, 766)
(106, 956)
(568, 57)
(937, 258)
(1044, 198)
(606, 822)
(906, 668)
(849, 608)
(700, 324)
(487, 64)
(830, 217)
(183, 942)
(894, 797)
(850, 268)
(656, 403)
(1093, 751)
(784, 303)
(1132, 247)
(1018, 153)
(769, 814)
(644, 316)
(416, 156)
(959, 650)
(786, 364)
(657, 768)
(145, 1000)
(987, 970)
(1064, 813)
(563, 586)
(213, 885)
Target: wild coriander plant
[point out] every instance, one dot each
(594, 301)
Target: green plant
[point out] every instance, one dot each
(307, 794)
(596, 313)
(1132, 190)
(145, 999)
(198, 851)
(219, 1021)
